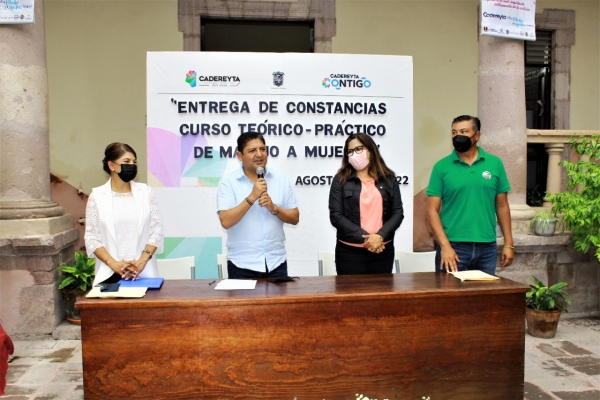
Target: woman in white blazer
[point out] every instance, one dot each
(123, 228)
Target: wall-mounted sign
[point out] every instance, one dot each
(513, 19)
(17, 12)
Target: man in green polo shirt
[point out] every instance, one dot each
(467, 191)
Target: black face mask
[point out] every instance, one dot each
(461, 143)
(128, 172)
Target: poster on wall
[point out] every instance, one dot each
(513, 19)
(17, 12)
(305, 105)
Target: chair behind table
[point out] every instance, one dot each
(415, 262)
(326, 263)
(177, 268)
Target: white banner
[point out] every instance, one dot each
(305, 105)
(17, 12)
(514, 19)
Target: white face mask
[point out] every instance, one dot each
(359, 161)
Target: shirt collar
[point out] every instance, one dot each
(480, 156)
(240, 173)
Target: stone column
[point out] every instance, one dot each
(501, 108)
(25, 162)
(553, 179)
(34, 235)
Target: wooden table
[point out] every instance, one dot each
(396, 336)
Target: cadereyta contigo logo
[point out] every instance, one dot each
(339, 81)
(193, 79)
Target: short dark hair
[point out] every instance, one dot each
(476, 122)
(245, 137)
(113, 152)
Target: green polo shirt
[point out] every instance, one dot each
(468, 194)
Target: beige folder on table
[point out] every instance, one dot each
(474, 275)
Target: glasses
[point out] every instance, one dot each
(357, 150)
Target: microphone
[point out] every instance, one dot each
(260, 171)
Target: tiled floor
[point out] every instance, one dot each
(566, 367)
(45, 370)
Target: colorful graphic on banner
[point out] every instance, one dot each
(204, 249)
(305, 105)
(514, 19)
(17, 11)
(172, 160)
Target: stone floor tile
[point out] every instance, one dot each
(55, 391)
(75, 377)
(76, 357)
(555, 369)
(71, 368)
(20, 390)
(569, 383)
(15, 372)
(568, 332)
(67, 331)
(573, 349)
(533, 373)
(579, 361)
(39, 344)
(68, 343)
(587, 395)
(29, 356)
(533, 392)
(551, 350)
(39, 374)
(77, 393)
(589, 369)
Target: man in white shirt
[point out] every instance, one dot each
(253, 209)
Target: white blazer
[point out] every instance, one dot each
(104, 201)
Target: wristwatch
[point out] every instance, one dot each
(148, 252)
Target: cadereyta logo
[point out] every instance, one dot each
(494, 16)
(278, 78)
(190, 78)
(193, 79)
(339, 81)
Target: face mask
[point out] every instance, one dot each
(461, 143)
(128, 172)
(359, 161)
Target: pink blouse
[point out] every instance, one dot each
(371, 209)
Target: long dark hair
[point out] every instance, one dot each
(113, 152)
(377, 167)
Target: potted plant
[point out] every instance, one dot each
(543, 223)
(580, 204)
(544, 305)
(75, 282)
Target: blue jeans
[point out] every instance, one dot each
(236, 272)
(472, 255)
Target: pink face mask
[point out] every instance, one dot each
(359, 161)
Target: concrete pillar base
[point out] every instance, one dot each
(521, 215)
(30, 303)
(35, 227)
(29, 209)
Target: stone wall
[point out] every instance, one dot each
(582, 272)
(30, 303)
(554, 259)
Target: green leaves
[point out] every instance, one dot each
(545, 298)
(78, 276)
(542, 219)
(581, 209)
